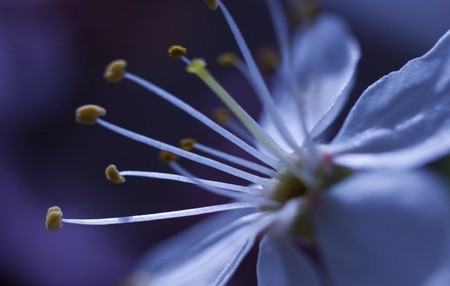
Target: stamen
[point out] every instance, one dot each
(192, 144)
(236, 127)
(225, 193)
(202, 118)
(281, 31)
(198, 67)
(53, 220)
(304, 11)
(188, 155)
(262, 90)
(177, 52)
(115, 71)
(167, 157)
(183, 179)
(163, 215)
(113, 175)
(187, 144)
(268, 59)
(221, 115)
(228, 59)
(212, 4)
(88, 114)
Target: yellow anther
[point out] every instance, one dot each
(113, 175)
(221, 115)
(53, 220)
(268, 59)
(304, 11)
(167, 157)
(187, 144)
(176, 52)
(115, 71)
(212, 4)
(88, 114)
(227, 59)
(196, 66)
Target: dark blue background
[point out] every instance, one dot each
(52, 56)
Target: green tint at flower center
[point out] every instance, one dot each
(288, 187)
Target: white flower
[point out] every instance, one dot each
(358, 205)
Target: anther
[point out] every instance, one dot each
(187, 144)
(113, 175)
(88, 114)
(196, 66)
(268, 59)
(305, 11)
(53, 220)
(176, 51)
(212, 4)
(227, 59)
(221, 115)
(115, 71)
(167, 157)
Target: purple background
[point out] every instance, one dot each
(52, 56)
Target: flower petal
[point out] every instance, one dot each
(162, 255)
(280, 263)
(383, 228)
(208, 261)
(403, 120)
(324, 59)
(442, 276)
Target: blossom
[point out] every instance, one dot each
(360, 208)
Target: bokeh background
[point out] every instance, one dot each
(52, 56)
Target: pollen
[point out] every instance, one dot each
(212, 4)
(167, 157)
(227, 59)
(115, 71)
(305, 11)
(196, 66)
(268, 59)
(113, 175)
(88, 114)
(187, 144)
(176, 51)
(221, 115)
(53, 221)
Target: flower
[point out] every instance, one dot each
(353, 211)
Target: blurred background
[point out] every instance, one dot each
(52, 57)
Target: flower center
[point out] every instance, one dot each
(288, 187)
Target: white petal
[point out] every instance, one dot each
(324, 59)
(442, 276)
(281, 264)
(162, 255)
(208, 262)
(403, 120)
(384, 228)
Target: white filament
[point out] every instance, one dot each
(163, 215)
(183, 153)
